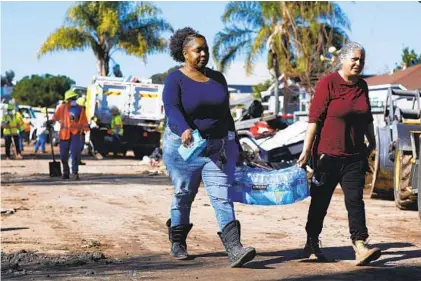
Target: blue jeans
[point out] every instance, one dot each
(21, 141)
(186, 178)
(73, 144)
(40, 143)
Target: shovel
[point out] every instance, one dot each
(55, 167)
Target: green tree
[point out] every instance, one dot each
(409, 58)
(261, 87)
(296, 33)
(41, 90)
(7, 79)
(133, 28)
(159, 78)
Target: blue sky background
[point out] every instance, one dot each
(384, 29)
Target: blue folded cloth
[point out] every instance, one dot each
(194, 149)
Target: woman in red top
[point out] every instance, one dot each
(340, 116)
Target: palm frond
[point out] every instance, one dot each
(246, 12)
(227, 42)
(230, 55)
(65, 38)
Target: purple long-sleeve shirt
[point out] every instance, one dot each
(198, 105)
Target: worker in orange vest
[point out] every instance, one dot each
(73, 124)
(26, 128)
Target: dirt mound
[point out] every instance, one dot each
(27, 261)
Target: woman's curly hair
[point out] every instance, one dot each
(179, 40)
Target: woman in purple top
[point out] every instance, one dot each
(196, 97)
(340, 116)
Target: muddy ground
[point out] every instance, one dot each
(111, 226)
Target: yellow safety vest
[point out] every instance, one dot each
(117, 121)
(14, 124)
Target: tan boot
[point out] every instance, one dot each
(19, 156)
(363, 254)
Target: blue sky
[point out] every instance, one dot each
(383, 28)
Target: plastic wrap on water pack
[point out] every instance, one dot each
(257, 186)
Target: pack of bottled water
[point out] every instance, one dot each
(258, 186)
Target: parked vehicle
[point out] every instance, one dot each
(278, 144)
(279, 149)
(141, 107)
(396, 167)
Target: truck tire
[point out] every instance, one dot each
(139, 152)
(404, 198)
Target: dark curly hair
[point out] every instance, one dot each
(180, 39)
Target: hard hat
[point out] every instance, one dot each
(81, 101)
(70, 94)
(332, 49)
(114, 109)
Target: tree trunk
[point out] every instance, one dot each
(104, 66)
(276, 90)
(286, 97)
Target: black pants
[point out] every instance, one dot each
(350, 173)
(8, 143)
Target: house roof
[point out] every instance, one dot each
(410, 78)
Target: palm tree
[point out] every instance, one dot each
(106, 27)
(248, 25)
(298, 33)
(7, 79)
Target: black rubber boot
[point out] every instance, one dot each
(178, 235)
(230, 237)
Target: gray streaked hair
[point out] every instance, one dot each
(347, 50)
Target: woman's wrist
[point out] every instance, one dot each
(307, 150)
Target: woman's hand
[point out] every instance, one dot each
(303, 159)
(186, 137)
(370, 149)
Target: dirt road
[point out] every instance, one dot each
(111, 226)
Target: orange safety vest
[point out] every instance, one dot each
(26, 125)
(68, 127)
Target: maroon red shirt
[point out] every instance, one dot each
(343, 112)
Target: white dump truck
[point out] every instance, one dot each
(141, 107)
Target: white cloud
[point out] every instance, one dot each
(236, 74)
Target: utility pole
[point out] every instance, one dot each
(274, 68)
(275, 73)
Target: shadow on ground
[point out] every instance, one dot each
(48, 156)
(33, 266)
(87, 179)
(13, 228)
(412, 273)
(391, 252)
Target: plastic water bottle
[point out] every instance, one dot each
(258, 186)
(196, 147)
